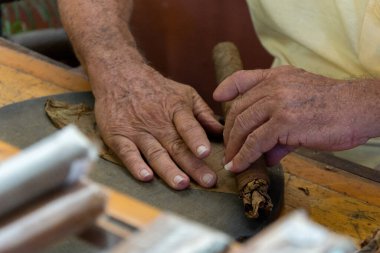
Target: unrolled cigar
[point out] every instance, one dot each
(253, 183)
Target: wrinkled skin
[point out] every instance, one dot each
(145, 115)
(284, 108)
(153, 124)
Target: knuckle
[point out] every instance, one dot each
(234, 109)
(178, 105)
(154, 153)
(286, 118)
(124, 150)
(284, 68)
(255, 113)
(242, 122)
(113, 141)
(296, 70)
(238, 75)
(278, 77)
(204, 110)
(177, 148)
(193, 92)
(187, 127)
(252, 144)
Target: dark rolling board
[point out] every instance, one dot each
(24, 123)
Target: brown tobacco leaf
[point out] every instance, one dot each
(62, 114)
(253, 185)
(255, 198)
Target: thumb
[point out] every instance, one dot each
(238, 83)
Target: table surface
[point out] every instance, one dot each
(343, 202)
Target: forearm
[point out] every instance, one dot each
(100, 34)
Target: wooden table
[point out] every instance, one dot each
(343, 202)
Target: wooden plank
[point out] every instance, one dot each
(333, 179)
(17, 86)
(7, 150)
(339, 212)
(43, 70)
(130, 210)
(342, 164)
(21, 49)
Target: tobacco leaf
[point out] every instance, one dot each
(61, 114)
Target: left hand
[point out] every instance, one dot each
(283, 108)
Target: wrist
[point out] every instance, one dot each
(111, 58)
(111, 76)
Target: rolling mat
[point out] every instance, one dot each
(24, 123)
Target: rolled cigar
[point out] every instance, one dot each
(253, 183)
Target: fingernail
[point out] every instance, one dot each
(178, 179)
(228, 166)
(201, 150)
(208, 179)
(144, 173)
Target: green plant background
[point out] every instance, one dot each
(27, 15)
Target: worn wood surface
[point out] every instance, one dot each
(343, 202)
(23, 77)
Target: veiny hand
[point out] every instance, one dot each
(283, 108)
(144, 115)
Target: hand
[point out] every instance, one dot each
(142, 114)
(283, 108)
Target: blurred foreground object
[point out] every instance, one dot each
(43, 192)
(110, 222)
(297, 233)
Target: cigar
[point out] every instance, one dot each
(253, 183)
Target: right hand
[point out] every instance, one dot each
(141, 114)
(284, 108)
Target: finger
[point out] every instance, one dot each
(162, 164)
(240, 105)
(258, 142)
(129, 154)
(191, 132)
(275, 155)
(206, 116)
(244, 124)
(189, 163)
(238, 83)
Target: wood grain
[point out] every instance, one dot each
(23, 77)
